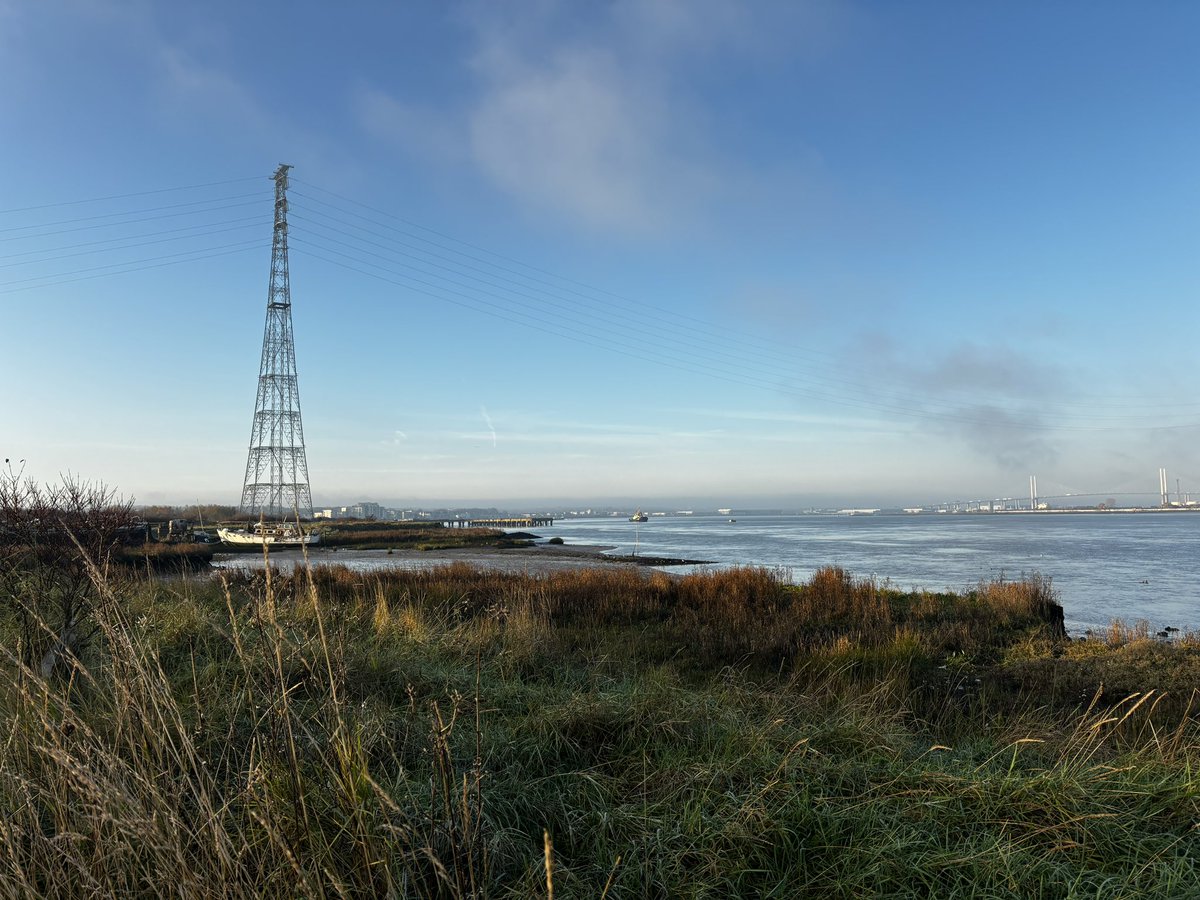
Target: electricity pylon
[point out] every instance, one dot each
(276, 483)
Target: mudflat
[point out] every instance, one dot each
(537, 559)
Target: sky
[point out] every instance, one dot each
(669, 253)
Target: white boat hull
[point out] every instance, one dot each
(274, 537)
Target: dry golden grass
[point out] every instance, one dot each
(463, 733)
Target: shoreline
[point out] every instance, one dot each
(544, 559)
(536, 559)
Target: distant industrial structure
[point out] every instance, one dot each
(363, 510)
(463, 517)
(276, 483)
(1111, 501)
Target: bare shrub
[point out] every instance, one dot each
(55, 541)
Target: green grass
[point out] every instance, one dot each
(458, 733)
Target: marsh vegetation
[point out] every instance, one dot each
(611, 732)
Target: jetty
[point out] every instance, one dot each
(517, 522)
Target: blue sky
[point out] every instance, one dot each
(634, 252)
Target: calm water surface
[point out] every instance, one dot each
(1118, 565)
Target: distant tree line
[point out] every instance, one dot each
(203, 512)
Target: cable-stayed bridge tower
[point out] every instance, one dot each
(276, 483)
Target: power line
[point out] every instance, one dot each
(468, 301)
(447, 269)
(520, 288)
(669, 317)
(141, 268)
(705, 339)
(189, 208)
(662, 346)
(256, 223)
(188, 187)
(154, 262)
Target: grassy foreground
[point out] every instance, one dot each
(608, 733)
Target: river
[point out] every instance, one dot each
(1103, 566)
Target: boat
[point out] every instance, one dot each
(275, 534)
(639, 516)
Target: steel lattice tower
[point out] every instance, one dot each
(276, 484)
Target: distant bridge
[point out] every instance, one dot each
(1126, 499)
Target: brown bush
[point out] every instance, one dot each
(55, 543)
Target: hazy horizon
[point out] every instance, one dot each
(851, 254)
(701, 505)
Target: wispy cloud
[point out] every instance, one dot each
(205, 92)
(552, 438)
(587, 112)
(488, 419)
(195, 85)
(567, 136)
(425, 132)
(841, 421)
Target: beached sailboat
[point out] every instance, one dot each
(274, 534)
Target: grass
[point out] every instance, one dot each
(165, 557)
(605, 733)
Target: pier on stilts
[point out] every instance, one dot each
(517, 522)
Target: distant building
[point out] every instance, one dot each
(365, 510)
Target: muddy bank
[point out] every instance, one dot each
(534, 560)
